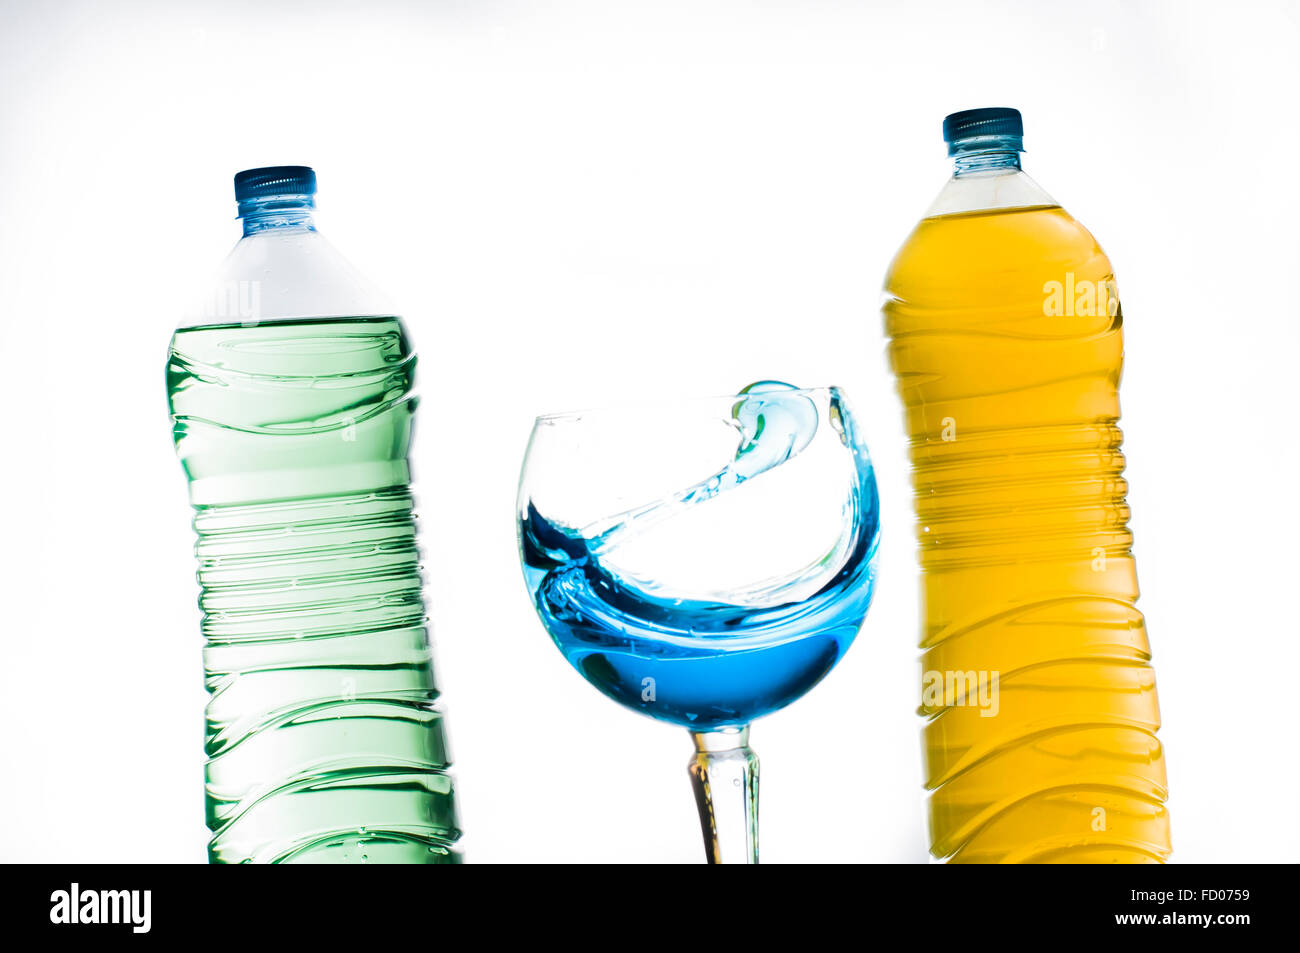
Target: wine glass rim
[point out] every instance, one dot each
(678, 401)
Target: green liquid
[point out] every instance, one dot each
(324, 742)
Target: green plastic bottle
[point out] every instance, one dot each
(291, 399)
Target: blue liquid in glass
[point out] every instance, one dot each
(701, 663)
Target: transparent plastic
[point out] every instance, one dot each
(283, 268)
(1006, 340)
(987, 176)
(291, 393)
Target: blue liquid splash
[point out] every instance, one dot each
(708, 664)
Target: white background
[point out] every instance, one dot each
(575, 203)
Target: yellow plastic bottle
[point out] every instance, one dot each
(1006, 339)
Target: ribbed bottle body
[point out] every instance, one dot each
(324, 741)
(1006, 340)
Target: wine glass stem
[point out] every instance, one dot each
(724, 775)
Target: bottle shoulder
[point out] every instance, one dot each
(1044, 239)
(283, 275)
(989, 190)
(997, 270)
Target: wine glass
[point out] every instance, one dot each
(704, 562)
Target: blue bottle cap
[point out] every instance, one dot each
(989, 121)
(253, 184)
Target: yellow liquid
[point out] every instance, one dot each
(1045, 749)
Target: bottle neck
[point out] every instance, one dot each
(278, 213)
(986, 154)
(987, 176)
